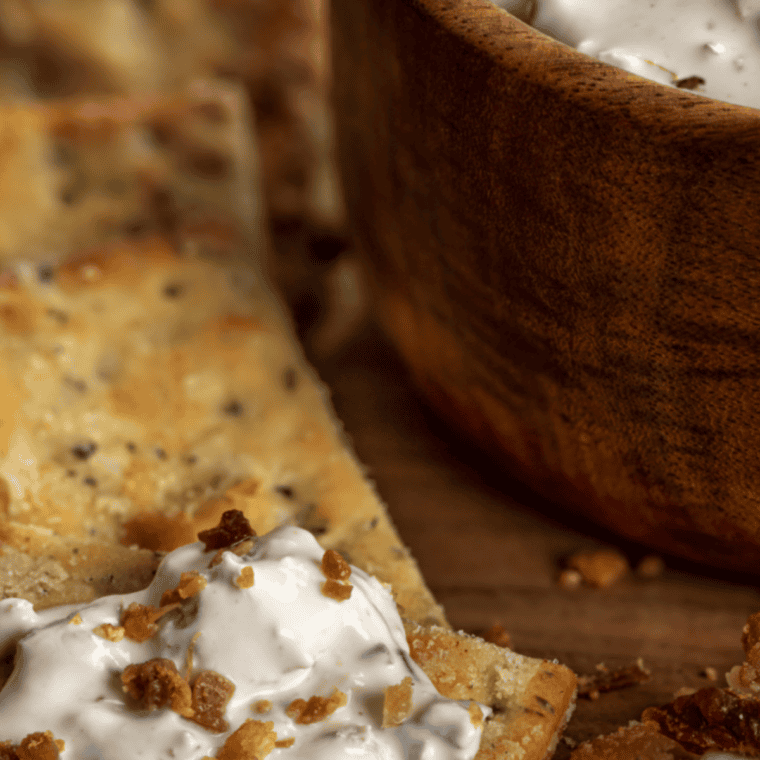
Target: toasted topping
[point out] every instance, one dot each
(233, 527)
(245, 579)
(337, 590)
(611, 680)
(139, 620)
(498, 635)
(189, 585)
(317, 708)
(651, 566)
(262, 706)
(711, 719)
(37, 746)
(76, 620)
(210, 694)
(600, 568)
(157, 683)
(254, 740)
(285, 743)
(109, 632)
(476, 715)
(397, 705)
(239, 549)
(335, 567)
(636, 740)
(710, 673)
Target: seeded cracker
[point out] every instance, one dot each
(248, 427)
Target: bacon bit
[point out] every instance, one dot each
(316, 709)
(476, 714)
(233, 527)
(189, 585)
(334, 566)
(245, 579)
(109, 632)
(337, 590)
(497, 634)
(156, 683)
(37, 746)
(254, 739)
(285, 743)
(262, 706)
(210, 694)
(600, 568)
(634, 741)
(605, 679)
(711, 719)
(139, 620)
(397, 703)
(76, 620)
(650, 567)
(239, 549)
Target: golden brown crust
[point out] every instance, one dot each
(531, 699)
(48, 570)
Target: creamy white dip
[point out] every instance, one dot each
(278, 640)
(668, 41)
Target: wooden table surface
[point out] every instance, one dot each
(490, 551)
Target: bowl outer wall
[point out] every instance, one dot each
(567, 256)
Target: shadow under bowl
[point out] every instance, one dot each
(568, 258)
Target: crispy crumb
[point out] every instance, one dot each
(711, 719)
(245, 579)
(600, 568)
(210, 694)
(239, 549)
(76, 620)
(254, 740)
(189, 585)
(710, 673)
(109, 632)
(37, 746)
(335, 567)
(337, 590)
(634, 742)
(262, 706)
(497, 634)
(605, 679)
(156, 683)
(745, 678)
(316, 709)
(570, 579)
(397, 703)
(233, 527)
(651, 566)
(684, 691)
(285, 743)
(476, 715)
(139, 620)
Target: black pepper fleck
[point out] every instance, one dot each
(76, 383)
(285, 491)
(160, 453)
(58, 315)
(84, 450)
(90, 481)
(290, 379)
(690, 83)
(233, 409)
(191, 459)
(45, 273)
(71, 473)
(131, 446)
(174, 289)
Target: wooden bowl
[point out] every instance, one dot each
(568, 257)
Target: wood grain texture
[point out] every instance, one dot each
(567, 257)
(490, 550)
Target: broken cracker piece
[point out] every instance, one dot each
(317, 708)
(337, 590)
(157, 683)
(233, 527)
(189, 585)
(245, 579)
(210, 694)
(334, 566)
(600, 568)
(109, 632)
(611, 680)
(254, 739)
(397, 704)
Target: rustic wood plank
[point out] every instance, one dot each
(491, 550)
